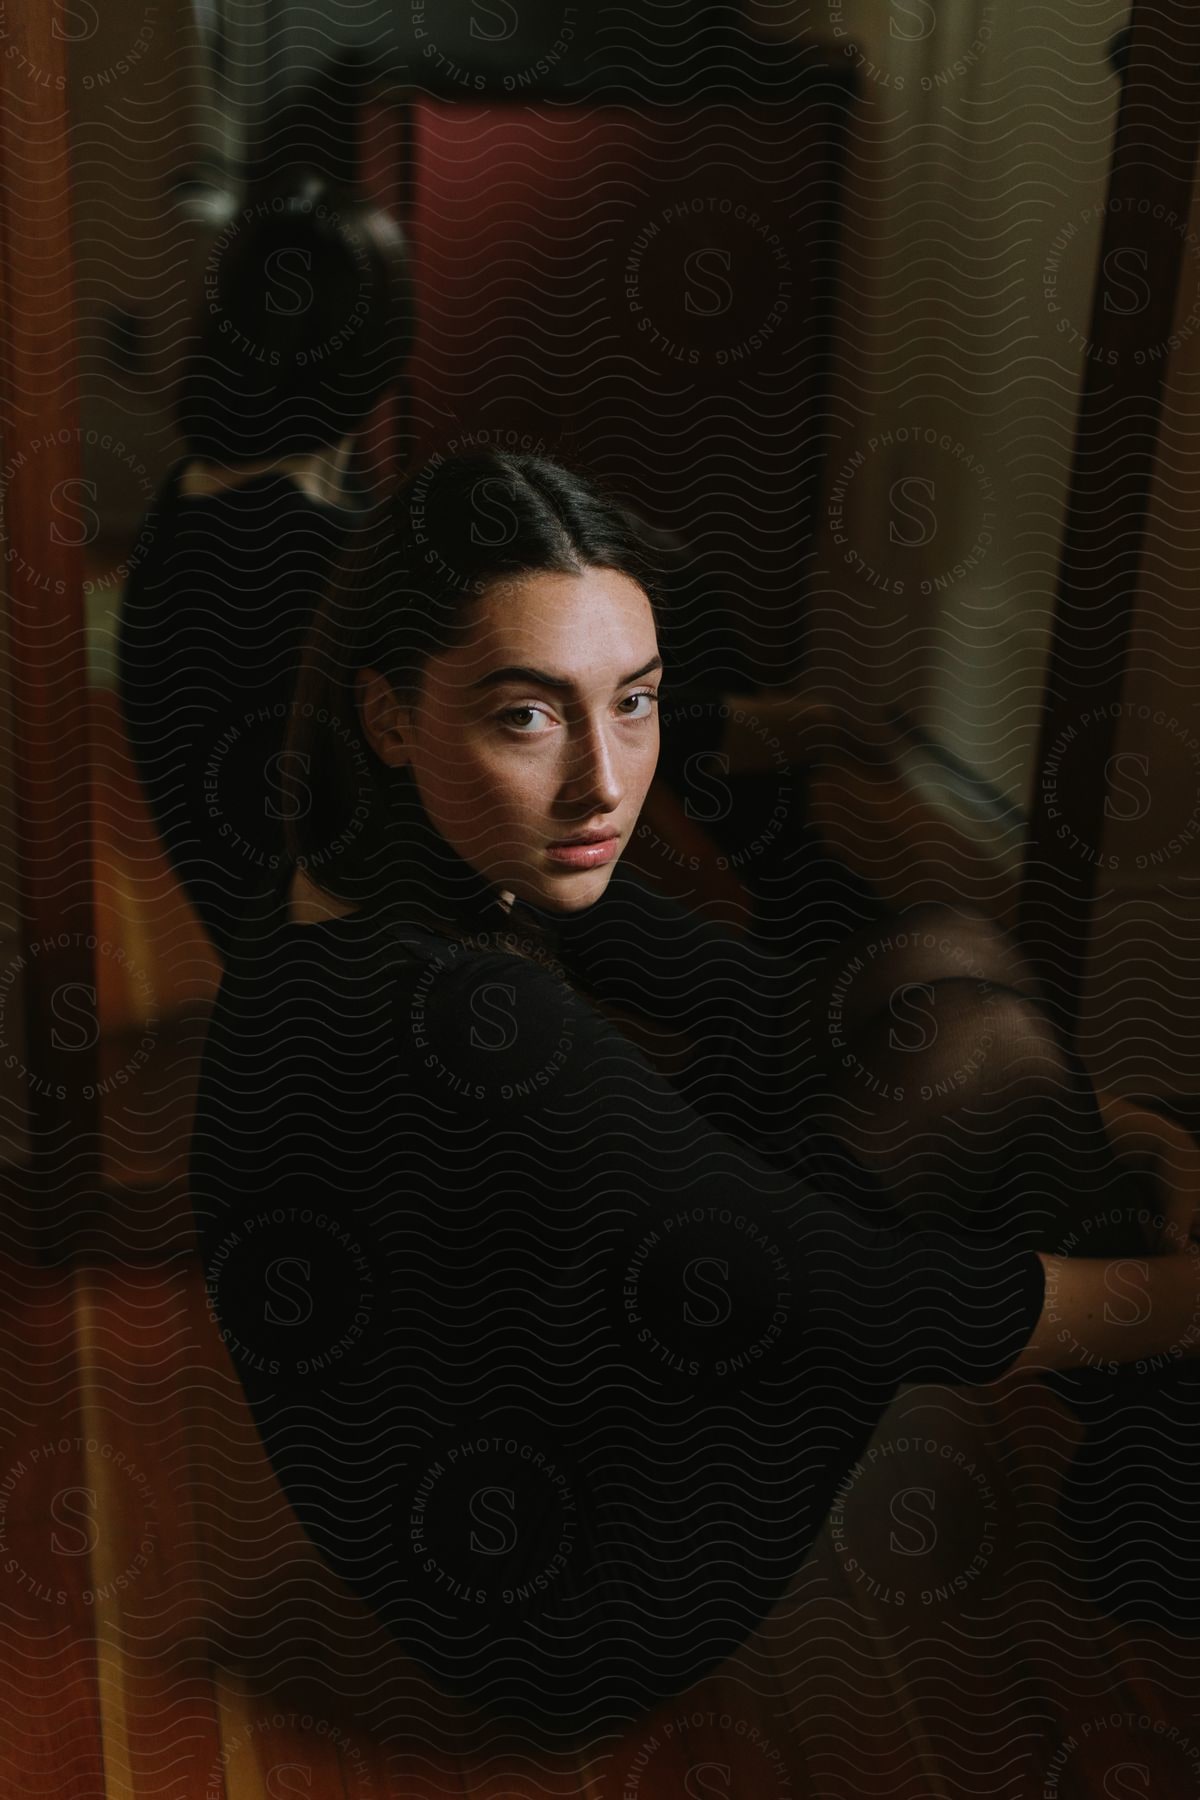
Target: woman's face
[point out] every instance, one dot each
(537, 731)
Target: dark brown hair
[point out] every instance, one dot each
(304, 323)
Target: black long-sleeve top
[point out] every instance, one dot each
(213, 620)
(529, 1239)
(560, 1361)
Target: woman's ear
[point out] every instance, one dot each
(386, 721)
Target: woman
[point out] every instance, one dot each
(303, 325)
(560, 1346)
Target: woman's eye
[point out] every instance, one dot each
(639, 706)
(534, 721)
(530, 721)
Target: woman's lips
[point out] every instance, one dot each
(585, 856)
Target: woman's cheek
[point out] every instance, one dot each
(648, 763)
(502, 797)
(463, 795)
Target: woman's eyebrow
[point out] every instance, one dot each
(515, 672)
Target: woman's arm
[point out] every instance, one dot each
(1171, 1156)
(573, 1097)
(1101, 1314)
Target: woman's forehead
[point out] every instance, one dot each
(580, 629)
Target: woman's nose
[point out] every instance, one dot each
(592, 776)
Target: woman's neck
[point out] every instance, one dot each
(309, 904)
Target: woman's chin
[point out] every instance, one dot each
(573, 891)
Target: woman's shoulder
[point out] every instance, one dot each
(488, 1021)
(504, 1007)
(194, 511)
(648, 951)
(306, 938)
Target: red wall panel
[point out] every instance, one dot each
(644, 291)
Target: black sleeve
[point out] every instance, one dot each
(709, 1230)
(209, 639)
(738, 1010)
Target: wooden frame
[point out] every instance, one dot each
(44, 582)
(1154, 160)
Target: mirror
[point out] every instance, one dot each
(848, 393)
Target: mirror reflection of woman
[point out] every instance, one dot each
(302, 326)
(566, 1273)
